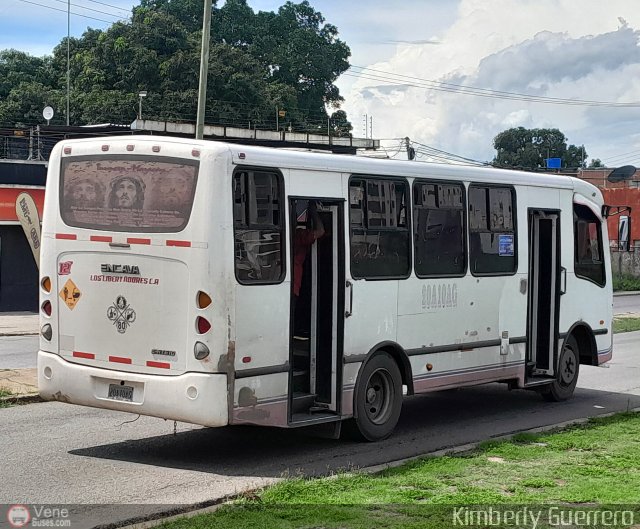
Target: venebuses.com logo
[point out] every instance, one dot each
(18, 515)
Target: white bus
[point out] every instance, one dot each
(169, 276)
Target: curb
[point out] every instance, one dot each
(213, 505)
(626, 293)
(28, 398)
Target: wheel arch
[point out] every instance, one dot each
(399, 356)
(584, 336)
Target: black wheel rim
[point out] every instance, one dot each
(378, 396)
(568, 366)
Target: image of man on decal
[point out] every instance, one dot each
(84, 193)
(127, 192)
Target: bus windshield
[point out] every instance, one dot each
(127, 193)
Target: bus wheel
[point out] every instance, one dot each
(567, 375)
(378, 398)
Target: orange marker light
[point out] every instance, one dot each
(46, 284)
(203, 300)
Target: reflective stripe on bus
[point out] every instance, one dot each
(161, 365)
(120, 360)
(80, 354)
(137, 240)
(186, 244)
(69, 236)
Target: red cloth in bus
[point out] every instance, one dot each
(302, 241)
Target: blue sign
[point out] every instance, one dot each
(554, 163)
(505, 245)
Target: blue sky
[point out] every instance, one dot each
(585, 50)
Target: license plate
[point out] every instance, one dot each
(118, 392)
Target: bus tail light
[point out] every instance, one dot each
(202, 325)
(46, 284)
(204, 300)
(47, 332)
(46, 308)
(200, 351)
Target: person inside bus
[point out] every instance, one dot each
(127, 192)
(303, 239)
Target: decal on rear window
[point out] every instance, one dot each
(140, 194)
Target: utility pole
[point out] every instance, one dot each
(204, 69)
(68, 55)
(366, 128)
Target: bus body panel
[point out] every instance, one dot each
(142, 298)
(198, 398)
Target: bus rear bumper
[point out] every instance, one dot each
(198, 398)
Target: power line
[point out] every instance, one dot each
(417, 82)
(91, 9)
(109, 5)
(64, 11)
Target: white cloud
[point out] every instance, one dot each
(552, 48)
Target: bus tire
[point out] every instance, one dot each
(378, 398)
(567, 376)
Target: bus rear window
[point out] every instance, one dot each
(139, 194)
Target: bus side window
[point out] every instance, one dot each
(380, 245)
(492, 233)
(588, 262)
(439, 233)
(258, 227)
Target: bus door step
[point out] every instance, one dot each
(532, 383)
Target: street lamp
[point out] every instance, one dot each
(142, 94)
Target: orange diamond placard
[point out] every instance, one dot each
(70, 294)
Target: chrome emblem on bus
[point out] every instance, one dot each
(119, 269)
(121, 314)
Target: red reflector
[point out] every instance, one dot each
(185, 244)
(105, 147)
(80, 354)
(130, 147)
(203, 325)
(46, 308)
(100, 238)
(67, 150)
(119, 360)
(134, 240)
(69, 236)
(246, 359)
(161, 365)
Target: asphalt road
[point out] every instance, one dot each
(622, 304)
(56, 453)
(18, 352)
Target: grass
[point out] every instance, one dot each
(626, 282)
(622, 324)
(5, 395)
(582, 467)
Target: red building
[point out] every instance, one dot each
(625, 193)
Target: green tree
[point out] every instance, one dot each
(259, 62)
(595, 163)
(529, 148)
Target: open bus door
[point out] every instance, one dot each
(317, 313)
(544, 293)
